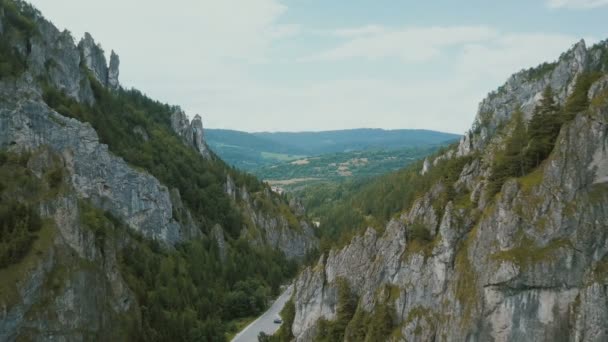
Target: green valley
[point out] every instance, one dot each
(253, 151)
(339, 167)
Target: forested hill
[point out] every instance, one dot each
(358, 139)
(117, 222)
(249, 151)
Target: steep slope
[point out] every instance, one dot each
(464, 263)
(145, 233)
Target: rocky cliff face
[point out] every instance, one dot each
(26, 123)
(527, 265)
(191, 132)
(94, 59)
(285, 230)
(71, 289)
(524, 89)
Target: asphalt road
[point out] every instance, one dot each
(265, 322)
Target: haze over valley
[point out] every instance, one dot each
(124, 217)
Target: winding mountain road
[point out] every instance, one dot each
(265, 322)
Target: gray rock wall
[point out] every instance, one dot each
(136, 197)
(528, 265)
(191, 132)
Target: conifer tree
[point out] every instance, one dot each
(543, 129)
(512, 162)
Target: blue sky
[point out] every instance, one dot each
(294, 65)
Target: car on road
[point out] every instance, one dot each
(278, 320)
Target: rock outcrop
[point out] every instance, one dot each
(524, 90)
(26, 123)
(191, 132)
(113, 71)
(288, 232)
(95, 60)
(530, 264)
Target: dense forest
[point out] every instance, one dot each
(186, 292)
(189, 293)
(346, 209)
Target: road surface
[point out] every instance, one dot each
(265, 322)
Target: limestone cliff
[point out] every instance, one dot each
(70, 287)
(526, 265)
(287, 230)
(190, 131)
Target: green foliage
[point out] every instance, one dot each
(511, 162)
(419, 232)
(346, 209)
(200, 182)
(540, 71)
(526, 148)
(330, 331)
(578, 100)
(284, 334)
(527, 255)
(18, 28)
(381, 324)
(19, 226)
(337, 167)
(353, 323)
(542, 130)
(20, 194)
(189, 294)
(601, 52)
(263, 337)
(252, 151)
(466, 283)
(99, 222)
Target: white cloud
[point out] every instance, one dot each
(577, 4)
(509, 53)
(285, 31)
(410, 44)
(446, 103)
(191, 37)
(204, 56)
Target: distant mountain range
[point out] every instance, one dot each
(249, 151)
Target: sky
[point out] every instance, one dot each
(310, 65)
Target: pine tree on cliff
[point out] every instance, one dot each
(543, 129)
(512, 161)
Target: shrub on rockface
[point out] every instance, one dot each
(578, 101)
(21, 193)
(16, 26)
(330, 331)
